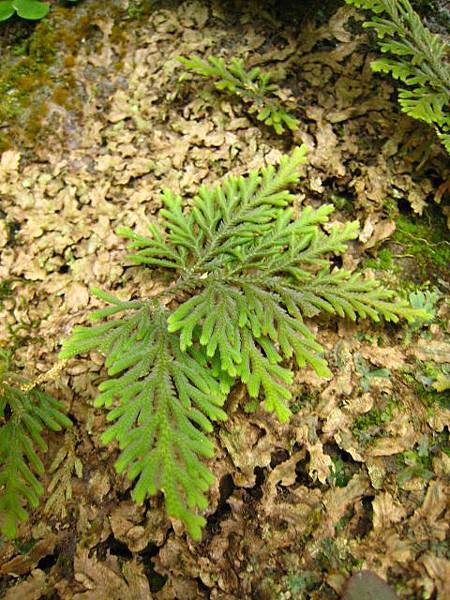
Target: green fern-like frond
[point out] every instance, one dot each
(65, 465)
(24, 415)
(243, 323)
(260, 371)
(251, 86)
(245, 272)
(222, 222)
(162, 402)
(253, 268)
(445, 140)
(419, 59)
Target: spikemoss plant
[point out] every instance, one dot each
(417, 58)
(246, 271)
(252, 86)
(24, 414)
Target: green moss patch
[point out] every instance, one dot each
(426, 239)
(37, 70)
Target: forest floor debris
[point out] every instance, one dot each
(359, 478)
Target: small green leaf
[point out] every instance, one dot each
(31, 9)
(6, 9)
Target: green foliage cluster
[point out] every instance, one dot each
(425, 238)
(24, 415)
(253, 87)
(246, 271)
(415, 463)
(418, 58)
(370, 425)
(427, 300)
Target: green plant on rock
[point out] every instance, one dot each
(427, 300)
(247, 270)
(24, 413)
(418, 58)
(253, 87)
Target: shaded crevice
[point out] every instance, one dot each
(256, 492)
(47, 562)
(226, 489)
(279, 456)
(114, 547)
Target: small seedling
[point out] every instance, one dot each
(253, 87)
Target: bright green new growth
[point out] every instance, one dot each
(252, 87)
(24, 415)
(247, 271)
(419, 60)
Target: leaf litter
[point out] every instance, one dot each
(359, 478)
